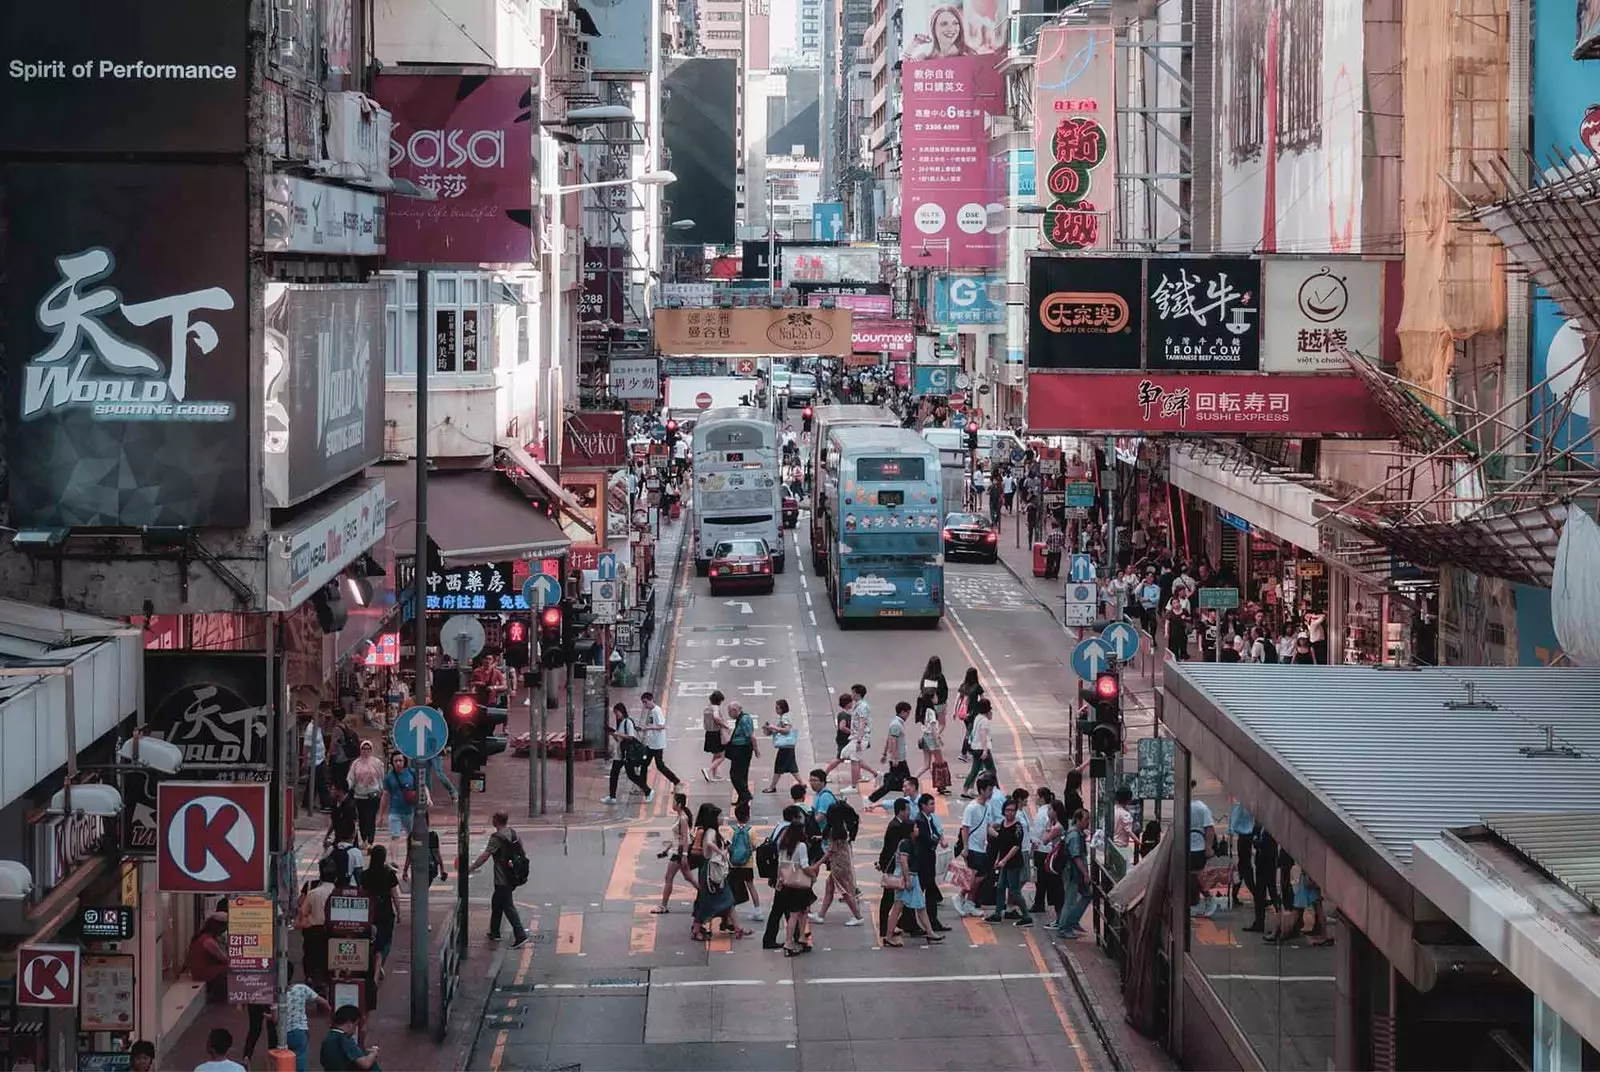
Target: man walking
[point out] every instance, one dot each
(896, 771)
(741, 749)
(655, 737)
(973, 843)
(510, 871)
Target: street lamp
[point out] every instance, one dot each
(681, 225)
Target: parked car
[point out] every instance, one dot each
(791, 510)
(744, 563)
(971, 534)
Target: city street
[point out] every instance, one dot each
(609, 985)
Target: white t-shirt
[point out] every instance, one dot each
(655, 728)
(978, 740)
(800, 857)
(223, 1065)
(897, 739)
(976, 820)
(1199, 819)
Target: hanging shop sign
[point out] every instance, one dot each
(1203, 314)
(48, 976)
(214, 839)
(1316, 309)
(873, 306)
(1085, 312)
(697, 332)
(593, 440)
(897, 337)
(383, 650)
(127, 346)
(960, 301)
(688, 295)
(320, 549)
(106, 924)
(831, 264)
(635, 378)
(1138, 403)
(302, 216)
(57, 844)
(1074, 100)
(827, 220)
(605, 277)
(488, 587)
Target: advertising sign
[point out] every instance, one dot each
(827, 221)
(48, 976)
(934, 379)
(1085, 312)
(635, 378)
(1315, 309)
(127, 345)
(700, 332)
(950, 192)
(324, 386)
(967, 301)
(1135, 403)
(1203, 314)
(604, 279)
(83, 76)
(110, 924)
(249, 934)
(593, 440)
(213, 837)
(622, 47)
(468, 138)
(831, 264)
(324, 545)
(878, 306)
(301, 216)
(488, 586)
(108, 991)
(690, 295)
(1074, 132)
(898, 337)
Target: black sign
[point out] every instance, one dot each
(96, 924)
(85, 76)
(754, 264)
(1085, 312)
(605, 271)
(127, 346)
(324, 373)
(486, 588)
(1203, 314)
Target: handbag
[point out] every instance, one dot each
(893, 880)
(962, 876)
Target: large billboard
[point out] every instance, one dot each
(1139, 403)
(697, 126)
(1203, 314)
(324, 386)
(1074, 135)
(622, 49)
(468, 139)
(830, 264)
(1085, 313)
(1314, 309)
(717, 332)
(127, 345)
(85, 76)
(970, 301)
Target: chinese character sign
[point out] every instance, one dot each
(1075, 152)
(1140, 403)
(1086, 312)
(1203, 314)
(127, 345)
(487, 588)
(952, 196)
(967, 300)
(1317, 310)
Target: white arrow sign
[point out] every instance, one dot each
(744, 607)
(420, 724)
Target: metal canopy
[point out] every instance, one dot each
(1565, 846)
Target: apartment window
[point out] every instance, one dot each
(460, 317)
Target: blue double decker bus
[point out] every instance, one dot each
(882, 515)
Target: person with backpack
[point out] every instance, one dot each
(402, 790)
(742, 862)
(714, 896)
(627, 754)
(511, 867)
(768, 864)
(740, 750)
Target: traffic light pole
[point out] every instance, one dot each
(463, 853)
(420, 975)
(572, 735)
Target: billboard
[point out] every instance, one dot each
(622, 48)
(605, 277)
(879, 306)
(714, 332)
(84, 76)
(1074, 132)
(967, 300)
(468, 138)
(697, 128)
(1314, 308)
(1137, 403)
(1085, 313)
(830, 264)
(897, 337)
(593, 440)
(1203, 314)
(127, 345)
(951, 200)
(323, 377)
(827, 221)
(301, 216)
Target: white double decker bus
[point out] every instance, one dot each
(736, 482)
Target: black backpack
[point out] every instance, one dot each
(515, 859)
(841, 816)
(1269, 650)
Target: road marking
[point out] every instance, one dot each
(642, 939)
(1007, 720)
(811, 614)
(978, 931)
(840, 980)
(808, 599)
(569, 933)
(820, 649)
(1055, 1003)
(721, 943)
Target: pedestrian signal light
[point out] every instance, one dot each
(516, 633)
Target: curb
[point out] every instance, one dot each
(1028, 588)
(1091, 1006)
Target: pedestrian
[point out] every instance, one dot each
(931, 744)
(1049, 876)
(1178, 623)
(935, 689)
(1006, 848)
(841, 873)
(784, 739)
(340, 1050)
(655, 737)
(1008, 487)
(382, 887)
(1202, 837)
(263, 1018)
(315, 756)
(1123, 836)
(401, 790)
(510, 871)
(972, 844)
(628, 754)
(344, 819)
(930, 833)
(1072, 791)
(297, 1023)
(908, 895)
(1055, 541)
(366, 785)
(899, 829)
(143, 1056)
(855, 726)
(1075, 877)
(311, 920)
(1038, 825)
(218, 1043)
(741, 749)
(715, 724)
(741, 861)
(896, 770)
(1242, 825)
(344, 748)
(980, 747)
(713, 895)
(1303, 653)
(677, 851)
(796, 874)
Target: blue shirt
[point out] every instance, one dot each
(820, 805)
(997, 806)
(1240, 822)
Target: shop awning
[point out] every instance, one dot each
(1284, 508)
(474, 515)
(550, 485)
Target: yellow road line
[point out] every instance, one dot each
(642, 938)
(1055, 1002)
(569, 935)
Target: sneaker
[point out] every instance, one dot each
(1012, 913)
(518, 943)
(1028, 922)
(813, 917)
(491, 937)
(757, 916)
(854, 921)
(650, 797)
(608, 800)
(994, 919)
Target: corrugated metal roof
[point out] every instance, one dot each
(1382, 747)
(1565, 845)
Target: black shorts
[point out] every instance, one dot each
(785, 763)
(839, 741)
(714, 745)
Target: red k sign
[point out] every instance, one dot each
(47, 975)
(593, 441)
(214, 837)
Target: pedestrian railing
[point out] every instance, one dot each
(449, 974)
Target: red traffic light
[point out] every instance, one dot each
(806, 413)
(972, 427)
(464, 707)
(672, 426)
(517, 633)
(1107, 687)
(550, 618)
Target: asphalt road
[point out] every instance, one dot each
(607, 985)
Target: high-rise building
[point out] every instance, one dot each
(808, 31)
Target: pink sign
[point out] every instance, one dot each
(878, 305)
(902, 374)
(1074, 140)
(469, 140)
(1225, 404)
(897, 337)
(950, 193)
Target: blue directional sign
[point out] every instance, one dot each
(1122, 639)
(421, 733)
(605, 566)
(1090, 657)
(541, 590)
(1081, 569)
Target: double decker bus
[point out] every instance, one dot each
(825, 419)
(882, 516)
(736, 491)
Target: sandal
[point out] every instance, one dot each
(892, 942)
(740, 932)
(933, 938)
(791, 952)
(659, 910)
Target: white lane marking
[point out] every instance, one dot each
(993, 673)
(808, 599)
(820, 649)
(743, 605)
(1275, 978)
(812, 615)
(853, 980)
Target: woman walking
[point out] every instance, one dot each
(714, 897)
(1006, 849)
(936, 689)
(796, 873)
(627, 754)
(931, 744)
(784, 739)
(382, 887)
(366, 785)
(676, 853)
(841, 876)
(400, 792)
(716, 726)
(908, 895)
(979, 747)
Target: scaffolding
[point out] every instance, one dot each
(1157, 124)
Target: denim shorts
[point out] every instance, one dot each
(399, 823)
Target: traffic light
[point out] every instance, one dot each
(1103, 724)
(550, 654)
(972, 435)
(517, 644)
(472, 733)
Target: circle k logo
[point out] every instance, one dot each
(215, 837)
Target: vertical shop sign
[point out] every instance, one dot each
(1075, 149)
(444, 327)
(469, 340)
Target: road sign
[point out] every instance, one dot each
(421, 733)
(462, 637)
(47, 975)
(746, 366)
(352, 955)
(1078, 592)
(703, 400)
(604, 601)
(1081, 493)
(1081, 569)
(250, 922)
(541, 590)
(349, 912)
(1219, 598)
(213, 837)
(1122, 639)
(1079, 615)
(605, 566)
(1090, 657)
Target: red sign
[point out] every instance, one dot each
(384, 651)
(47, 975)
(1225, 404)
(897, 337)
(745, 366)
(703, 400)
(593, 440)
(582, 556)
(214, 837)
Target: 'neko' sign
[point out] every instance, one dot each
(593, 441)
